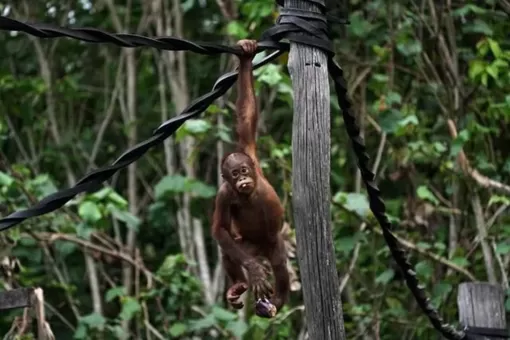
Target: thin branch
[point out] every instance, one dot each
(52, 237)
(463, 161)
(433, 256)
(499, 260)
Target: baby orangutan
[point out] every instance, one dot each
(248, 214)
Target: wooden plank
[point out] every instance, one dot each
(311, 191)
(16, 298)
(482, 305)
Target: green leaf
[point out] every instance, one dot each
(380, 78)
(177, 329)
(269, 74)
(442, 289)
(83, 230)
(498, 199)
(393, 98)
(223, 136)
(81, 332)
(93, 320)
(476, 68)
(171, 264)
(65, 248)
(439, 147)
(169, 184)
(44, 185)
(440, 293)
(346, 243)
(496, 50)
(425, 194)
(409, 120)
(200, 189)
(117, 199)
(385, 276)
(214, 109)
(179, 184)
(389, 120)
(118, 332)
(238, 328)
(5, 179)
(423, 245)
(115, 292)
(460, 261)
(223, 133)
(492, 71)
(236, 29)
(485, 79)
(424, 269)
(354, 202)
(459, 142)
(196, 126)
(89, 211)
(358, 26)
(381, 52)
(477, 26)
(131, 220)
(102, 194)
(409, 47)
(193, 127)
(468, 8)
(187, 5)
(223, 314)
(129, 308)
(439, 246)
(204, 323)
(395, 306)
(503, 248)
(111, 195)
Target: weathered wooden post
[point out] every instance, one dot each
(311, 196)
(16, 298)
(32, 300)
(482, 306)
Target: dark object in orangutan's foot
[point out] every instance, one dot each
(265, 309)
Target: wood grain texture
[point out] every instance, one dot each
(16, 298)
(481, 305)
(311, 191)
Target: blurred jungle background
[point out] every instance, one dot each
(430, 83)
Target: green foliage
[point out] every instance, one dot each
(5, 180)
(88, 325)
(354, 202)
(130, 307)
(114, 293)
(89, 211)
(171, 185)
(408, 69)
(425, 194)
(193, 127)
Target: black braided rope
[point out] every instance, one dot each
(292, 28)
(94, 35)
(379, 208)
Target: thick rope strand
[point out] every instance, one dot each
(379, 209)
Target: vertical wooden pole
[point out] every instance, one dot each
(311, 196)
(481, 305)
